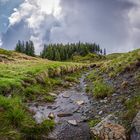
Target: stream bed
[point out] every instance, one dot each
(71, 110)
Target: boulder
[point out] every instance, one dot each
(109, 129)
(135, 133)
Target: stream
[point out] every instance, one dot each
(71, 110)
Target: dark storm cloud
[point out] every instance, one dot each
(103, 21)
(114, 24)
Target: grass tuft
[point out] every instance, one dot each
(102, 89)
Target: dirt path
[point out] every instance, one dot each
(70, 110)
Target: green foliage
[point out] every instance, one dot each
(16, 122)
(61, 52)
(23, 73)
(5, 52)
(9, 84)
(119, 63)
(133, 106)
(71, 79)
(37, 131)
(27, 48)
(94, 122)
(102, 89)
(49, 98)
(89, 58)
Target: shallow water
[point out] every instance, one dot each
(67, 103)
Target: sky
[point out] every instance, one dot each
(113, 24)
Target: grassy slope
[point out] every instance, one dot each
(27, 78)
(17, 69)
(115, 68)
(89, 58)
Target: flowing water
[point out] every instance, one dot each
(72, 105)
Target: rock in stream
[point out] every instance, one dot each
(68, 111)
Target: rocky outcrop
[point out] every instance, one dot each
(109, 129)
(135, 133)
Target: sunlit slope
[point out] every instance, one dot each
(16, 69)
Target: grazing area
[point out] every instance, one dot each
(25, 79)
(114, 85)
(69, 70)
(42, 99)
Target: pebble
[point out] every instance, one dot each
(73, 122)
(51, 115)
(100, 112)
(65, 96)
(53, 94)
(80, 102)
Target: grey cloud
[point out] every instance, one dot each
(103, 21)
(114, 24)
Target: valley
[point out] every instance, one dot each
(43, 99)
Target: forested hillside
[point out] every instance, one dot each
(61, 52)
(29, 84)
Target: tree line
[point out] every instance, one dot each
(25, 47)
(61, 52)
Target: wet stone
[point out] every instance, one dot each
(65, 95)
(73, 122)
(51, 115)
(64, 114)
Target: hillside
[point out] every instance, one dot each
(114, 85)
(24, 79)
(92, 86)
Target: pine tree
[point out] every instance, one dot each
(18, 46)
(63, 52)
(104, 51)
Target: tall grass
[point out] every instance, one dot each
(16, 122)
(102, 89)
